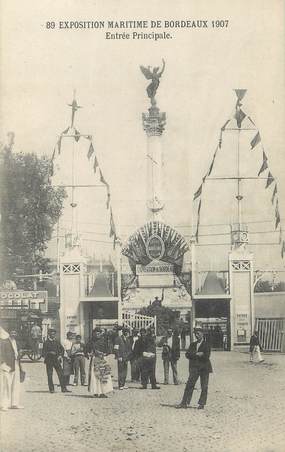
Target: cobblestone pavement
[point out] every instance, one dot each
(245, 412)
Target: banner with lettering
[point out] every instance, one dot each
(155, 241)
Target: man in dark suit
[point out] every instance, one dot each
(53, 351)
(199, 366)
(123, 350)
(145, 351)
(170, 354)
(135, 369)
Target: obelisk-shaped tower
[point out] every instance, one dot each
(153, 123)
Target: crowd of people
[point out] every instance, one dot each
(134, 349)
(137, 349)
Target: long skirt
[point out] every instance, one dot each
(98, 386)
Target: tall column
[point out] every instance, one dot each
(242, 314)
(72, 288)
(153, 123)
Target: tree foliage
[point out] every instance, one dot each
(269, 286)
(30, 207)
(165, 317)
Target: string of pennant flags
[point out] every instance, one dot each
(71, 131)
(240, 116)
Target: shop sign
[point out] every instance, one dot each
(23, 299)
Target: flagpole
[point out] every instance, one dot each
(74, 107)
(73, 205)
(57, 259)
(239, 197)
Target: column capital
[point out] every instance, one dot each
(154, 121)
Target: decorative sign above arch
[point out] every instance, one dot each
(155, 241)
(155, 248)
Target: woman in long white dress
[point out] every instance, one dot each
(99, 379)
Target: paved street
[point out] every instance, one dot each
(245, 412)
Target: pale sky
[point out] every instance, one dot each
(41, 68)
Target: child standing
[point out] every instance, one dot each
(78, 355)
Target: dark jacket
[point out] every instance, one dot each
(138, 348)
(122, 348)
(7, 354)
(96, 344)
(170, 353)
(133, 347)
(52, 350)
(254, 340)
(144, 344)
(199, 362)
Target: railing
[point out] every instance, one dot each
(270, 333)
(138, 321)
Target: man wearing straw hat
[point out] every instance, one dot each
(199, 366)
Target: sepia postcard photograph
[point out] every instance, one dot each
(142, 233)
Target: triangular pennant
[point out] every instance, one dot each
(65, 131)
(77, 135)
(274, 194)
(264, 165)
(59, 144)
(199, 207)
(270, 179)
(254, 142)
(240, 93)
(220, 139)
(112, 225)
(102, 179)
(251, 121)
(280, 235)
(198, 222)
(277, 218)
(283, 249)
(108, 198)
(198, 192)
(90, 151)
(96, 164)
(225, 125)
(51, 169)
(197, 233)
(239, 116)
(277, 214)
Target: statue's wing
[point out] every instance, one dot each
(163, 67)
(146, 72)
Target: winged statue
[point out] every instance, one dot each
(154, 75)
